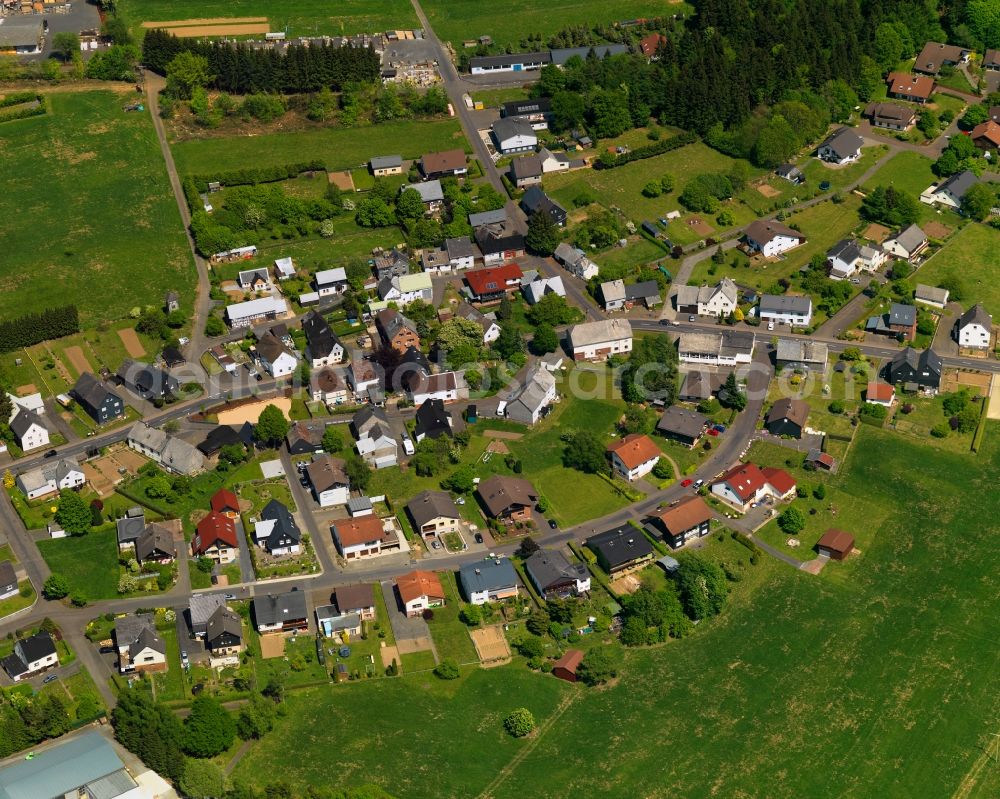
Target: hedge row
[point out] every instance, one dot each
(24, 113)
(247, 177)
(19, 97)
(33, 328)
(648, 151)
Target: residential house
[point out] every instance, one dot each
(29, 430)
(201, 608)
(491, 330)
(29, 402)
(991, 60)
(681, 425)
(375, 443)
(899, 321)
(490, 580)
(284, 268)
(328, 386)
(634, 456)
(444, 164)
(622, 550)
(392, 263)
(719, 300)
(891, 116)
(323, 348)
(303, 438)
(986, 136)
(746, 484)
(140, 648)
(364, 537)
(951, 191)
(432, 420)
(843, 146)
(646, 291)
(974, 329)
(907, 243)
(224, 359)
(723, 348)
(911, 88)
(592, 341)
(172, 453)
(444, 386)
(155, 545)
(576, 261)
(246, 314)
(919, 369)
(8, 579)
(787, 417)
(553, 575)
(434, 513)
(514, 136)
(382, 166)
(275, 357)
(172, 357)
(511, 62)
(771, 238)
(357, 598)
(537, 201)
(931, 295)
(650, 45)
(509, 499)
(329, 481)
(364, 378)
(539, 287)
(535, 111)
(407, 289)
(146, 381)
(148, 441)
(224, 637)
(566, 666)
(784, 309)
(31, 656)
(497, 216)
(330, 281)
(100, 403)
(419, 591)
(835, 544)
(935, 55)
(431, 194)
(130, 526)
(878, 393)
(50, 478)
(532, 396)
(254, 279)
(492, 283)
(215, 538)
(461, 254)
(791, 173)
(396, 330)
(613, 294)
(281, 612)
(276, 531)
(331, 623)
(526, 171)
(848, 256)
(699, 385)
(799, 354)
(684, 521)
(498, 244)
(225, 502)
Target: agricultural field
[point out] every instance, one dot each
(971, 258)
(458, 20)
(339, 148)
(97, 175)
(305, 18)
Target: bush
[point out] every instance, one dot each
(56, 587)
(836, 407)
(940, 430)
(519, 723)
(447, 670)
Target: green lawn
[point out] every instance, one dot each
(417, 661)
(494, 98)
(926, 414)
(339, 148)
(18, 601)
(306, 18)
(971, 256)
(458, 20)
(451, 636)
(911, 173)
(89, 562)
(98, 172)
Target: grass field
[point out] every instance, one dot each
(339, 148)
(910, 172)
(89, 217)
(306, 18)
(457, 20)
(972, 255)
(886, 659)
(89, 563)
(451, 636)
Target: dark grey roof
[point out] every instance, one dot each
(492, 240)
(783, 303)
(152, 540)
(843, 142)
(846, 250)
(549, 567)
(487, 575)
(131, 525)
(202, 606)
(507, 60)
(429, 505)
(497, 217)
(910, 238)
(219, 437)
(917, 360)
(528, 166)
(504, 129)
(37, 646)
(538, 105)
(223, 621)
(25, 418)
(7, 574)
(386, 161)
(621, 545)
(91, 391)
(957, 185)
(319, 336)
(900, 314)
(147, 639)
(145, 380)
(459, 247)
(535, 200)
(285, 531)
(642, 290)
(432, 419)
(367, 418)
(275, 608)
(976, 315)
(682, 422)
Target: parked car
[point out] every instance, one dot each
(51, 454)
(712, 431)
(435, 544)
(721, 428)
(552, 524)
(230, 596)
(770, 325)
(699, 483)
(479, 538)
(50, 678)
(686, 483)
(691, 318)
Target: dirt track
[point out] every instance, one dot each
(190, 23)
(222, 30)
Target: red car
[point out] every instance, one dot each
(713, 432)
(686, 483)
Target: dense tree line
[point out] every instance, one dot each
(241, 69)
(26, 721)
(23, 331)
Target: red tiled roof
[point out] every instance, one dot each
(570, 660)
(492, 279)
(360, 530)
(417, 584)
(688, 513)
(988, 130)
(214, 528)
(779, 479)
(634, 450)
(223, 500)
(745, 479)
(910, 85)
(879, 392)
(650, 44)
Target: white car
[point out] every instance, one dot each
(770, 325)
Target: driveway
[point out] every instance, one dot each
(246, 563)
(411, 632)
